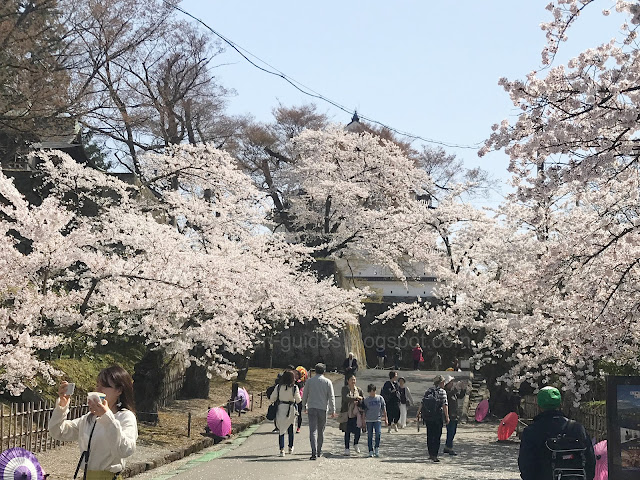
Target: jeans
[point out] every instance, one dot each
(371, 426)
(317, 422)
(352, 427)
(281, 437)
(434, 432)
(452, 427)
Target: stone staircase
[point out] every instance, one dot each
(479, 392)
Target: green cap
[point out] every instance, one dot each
(549, 398)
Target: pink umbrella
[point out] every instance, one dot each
(243, 399)
(219, 422)
(602, 468)
(482, 410)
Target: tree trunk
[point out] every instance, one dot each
(196, 382)
(148, 378)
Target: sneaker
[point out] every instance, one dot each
(357, 447)
(312, 457)
(395, 427)
(451, 452)
(389, 431)
(290, 450)
(376, 453)
(435, 459)
(282, 453)
(371, 453)
(347, 452)
(319, 454)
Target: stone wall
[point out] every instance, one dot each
(390, 334)
(304, 345)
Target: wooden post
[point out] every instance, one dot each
(21, 438)
(2, 427)
(189, 426)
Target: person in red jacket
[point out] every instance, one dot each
(416, 354)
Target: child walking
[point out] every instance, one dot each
(375, 411)
(405, 401)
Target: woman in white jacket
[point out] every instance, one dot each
(108, 433)
(287, 394)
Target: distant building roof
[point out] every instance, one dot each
(354, 126)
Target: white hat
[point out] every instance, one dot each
(448, 379)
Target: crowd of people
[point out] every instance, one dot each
(359, 413)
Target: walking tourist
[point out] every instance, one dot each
(287, 394)
(300, 373)
(434, 408)
(350, 366)
(392, 400)
(416, 355)
(453, 393)
(551, 431)
(317, 397)
(397, 356)
(375, 411)
(351, 409)
(381, 354)
(107, 434)
(405, 401)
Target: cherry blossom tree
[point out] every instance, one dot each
(103, 259)
(573, 151)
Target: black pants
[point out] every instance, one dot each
(416, 364)
(352, 427)
(434, 433)
(393, 412)
(299, 407)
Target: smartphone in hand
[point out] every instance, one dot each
(71, 387)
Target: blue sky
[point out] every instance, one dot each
(426, 67)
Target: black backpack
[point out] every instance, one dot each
(568, 455)
(431, 409)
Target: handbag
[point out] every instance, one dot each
(343, 417)
(272, 410)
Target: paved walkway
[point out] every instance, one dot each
(403, 454)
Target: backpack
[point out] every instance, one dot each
(431, 409)
(568, 455)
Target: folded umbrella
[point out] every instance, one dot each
(507, 426)
(219, 422)
(19, 464)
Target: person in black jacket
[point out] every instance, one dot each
(350, 366)
(534, 460)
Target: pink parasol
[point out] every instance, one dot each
(507, 426)
(219, 422)
(482, 410)
(602, 468)
(19, 464)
